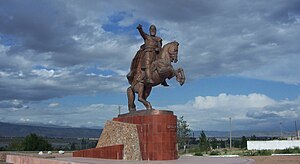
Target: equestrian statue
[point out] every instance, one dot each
(151, 66)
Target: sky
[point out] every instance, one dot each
(65, 62)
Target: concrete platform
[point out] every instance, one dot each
(23, 159)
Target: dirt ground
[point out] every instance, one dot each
(275, 159)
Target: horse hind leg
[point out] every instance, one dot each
(131, 97)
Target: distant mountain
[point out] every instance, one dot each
(21, 130)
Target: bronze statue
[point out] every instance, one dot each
(151, 49)
(151, 66)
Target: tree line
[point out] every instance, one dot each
(31, 142)
(205, 144)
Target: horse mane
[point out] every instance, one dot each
(166, 46)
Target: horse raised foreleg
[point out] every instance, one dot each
(180, 77)
(131, 97)
(141, 97)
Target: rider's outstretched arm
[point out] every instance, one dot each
(143, 34)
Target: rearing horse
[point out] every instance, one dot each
(161, 69)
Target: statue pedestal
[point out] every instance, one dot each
(144, 135)
(156, 131)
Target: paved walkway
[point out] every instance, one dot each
(181, 160)
(79, 160)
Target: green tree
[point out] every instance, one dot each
(33, 142)
(236, 143)
(83, 143)
(15, 145)
(204, 144)
(214, 143)
(73, 146)
(223, 144)
(253, 138)
(243, 142)
(183, 132)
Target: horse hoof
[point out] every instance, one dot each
(150, 108)
(132, 110)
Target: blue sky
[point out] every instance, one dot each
(65, 62)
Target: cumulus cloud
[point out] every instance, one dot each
(217, 38)
(45, 48)
(252, 111)
(12, 104)
(45, 84)
(51, 49)
(225, 37)
(230, 37)
(225, 101)
(248, 112)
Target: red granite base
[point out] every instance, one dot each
(157, 133)
(108, 152)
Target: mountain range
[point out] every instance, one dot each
(21, 130)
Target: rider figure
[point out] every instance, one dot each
(152, 48)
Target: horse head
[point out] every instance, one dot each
(170, 52)
(173, 51)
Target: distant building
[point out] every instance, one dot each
(272, 145)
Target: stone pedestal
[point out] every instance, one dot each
(145, 134)
(157, 133)
(121, 133)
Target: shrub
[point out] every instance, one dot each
(215, 153)
(198, 154)
(264, 152)
(15, 145)
(194, 150)
(247, 153)
(297, 149)
(225, 151)
(288, 151)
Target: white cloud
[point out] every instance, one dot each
(252, 111)
(216, 38)
(44, 84)
(43, 73)
(223, 39)
(54, 104)
(25, 120)
(15, 104)
(228, 102)
(248, 112)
